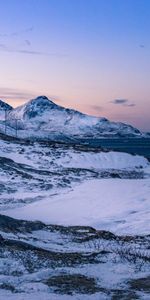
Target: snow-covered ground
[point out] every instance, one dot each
(31, 171)
(67, 186)
(39, 261)
(39, 295)
(120, 206)
(102, 160)
(72, 185)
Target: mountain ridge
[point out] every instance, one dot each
(42, 117)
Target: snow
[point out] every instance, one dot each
(120, 205)
(117, 205)
(103, 160)
(36, 155)
(50, 296)
(43, 118)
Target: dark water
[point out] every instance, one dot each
(139, 146)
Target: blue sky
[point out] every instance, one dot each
(84, 54)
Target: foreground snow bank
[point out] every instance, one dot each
(102, 160)
(121, 206)
(47, 296)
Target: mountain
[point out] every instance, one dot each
(4, 107)
(43, 118)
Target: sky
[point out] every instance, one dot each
(90, 55)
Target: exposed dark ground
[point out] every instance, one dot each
(72, 260)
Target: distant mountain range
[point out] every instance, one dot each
(42, 118)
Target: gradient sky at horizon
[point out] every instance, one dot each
(90, 55)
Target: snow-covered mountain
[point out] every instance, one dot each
(41, 117)
(4, 107)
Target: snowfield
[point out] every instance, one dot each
(120, 206)
(67, 186)
(103, 160)
(74, 222)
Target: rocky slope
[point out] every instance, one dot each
(41, 261)
(4, 107)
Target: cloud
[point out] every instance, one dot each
(15, 94)
(2, 47)
(119, 101)
(141, 46)
(130, 104)
(123, 102)
(17, 33)
(19, 96)
(27, 42)
(96, 108)
(29, 52)
(7, 49)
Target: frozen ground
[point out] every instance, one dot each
(38, 261)
(30, 171)
(73, 185)
(121, 206)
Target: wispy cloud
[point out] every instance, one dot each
(119, 101)
(6, 46)
(21, 96)
(130, 104)
(17, 33)
(123, 102)
(15, 94)
(7, 49)
(142, 46)
(2, 46)
(27, 42)
(96, 108)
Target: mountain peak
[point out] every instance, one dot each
(39, 98)
(42, 96)
(34, 107)
(5, 106)
(45, 118)
(41, 101)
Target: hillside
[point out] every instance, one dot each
(42, 118)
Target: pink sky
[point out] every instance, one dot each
(82, 54)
